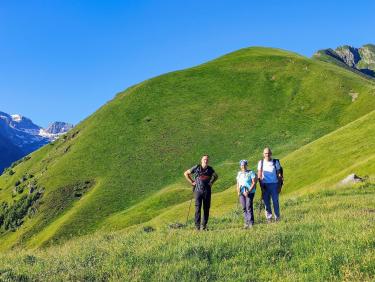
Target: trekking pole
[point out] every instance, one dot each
(189, 209)
(238, 203)
(260, 205)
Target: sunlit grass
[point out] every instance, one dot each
(324, 236)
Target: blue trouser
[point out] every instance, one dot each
(247, 207)
(271, 191)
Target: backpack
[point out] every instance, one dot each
(280, 171)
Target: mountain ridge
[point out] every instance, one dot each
(360, 60)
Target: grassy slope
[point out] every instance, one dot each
(319, 164)
(327, 234)
(330, 159)
(324, 236)
(140, 142)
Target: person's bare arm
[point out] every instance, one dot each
(253, 182)
(187, 175)
(214, 177)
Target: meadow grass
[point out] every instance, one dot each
(329, 159)
(327, 235)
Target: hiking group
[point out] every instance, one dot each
(270, 178)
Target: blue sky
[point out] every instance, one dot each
(63, 59)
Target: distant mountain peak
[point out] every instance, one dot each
(22, 119)
(350, 55)
(55, 129)
(25, 136)
(16, 117)
(360, 60)
(58, 127)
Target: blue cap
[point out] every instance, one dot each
(243, 162)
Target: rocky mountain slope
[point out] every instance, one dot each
(361, 60)
(20, 136)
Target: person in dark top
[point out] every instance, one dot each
(201, 177)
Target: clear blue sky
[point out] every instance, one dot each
(63, 59)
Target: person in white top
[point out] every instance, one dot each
(269, 173)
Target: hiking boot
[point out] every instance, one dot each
(204, 228)
(245, 226)
(197, 228)
(277, 219)
(269, 220)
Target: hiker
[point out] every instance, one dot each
(246, 182)
(270, 179)
(201, 177)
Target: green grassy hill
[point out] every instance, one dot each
(317, 166)
(326, 233)
(123, 165)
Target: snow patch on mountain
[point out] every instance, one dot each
(16, 117)
(21, 132)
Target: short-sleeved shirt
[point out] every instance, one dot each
(269, 171)
(202, 176)
(244, 179)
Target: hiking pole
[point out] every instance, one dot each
(238, 203)
(189, 209)
(260, 205)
